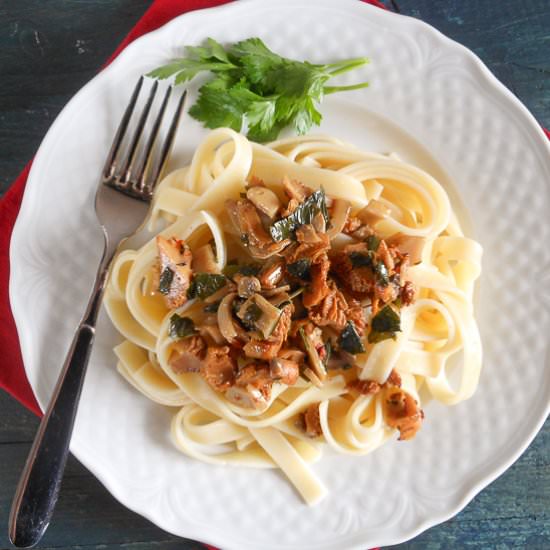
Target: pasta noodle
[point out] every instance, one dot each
(355, 406)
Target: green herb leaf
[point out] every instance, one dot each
(165, 281)
(373, 242)
(384, 325)
(216, 108)
(230, 270)
(212, 50)
(304, 214)
(181, 327)
(249, 270)
(205, 284)
(300, 269)
(358, 259)
(350, 340)
(255, 58)
(254, 83)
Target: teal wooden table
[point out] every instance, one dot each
(48, 50)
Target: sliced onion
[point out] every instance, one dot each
(264, 200)
(408, 244)
(339, 215)
(225, 318)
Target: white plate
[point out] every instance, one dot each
(430, 98)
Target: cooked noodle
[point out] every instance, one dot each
(438, 332)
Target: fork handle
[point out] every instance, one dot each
(40, 481)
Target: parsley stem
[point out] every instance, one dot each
(347, 65)
(332, 89)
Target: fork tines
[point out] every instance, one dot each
(137, 174)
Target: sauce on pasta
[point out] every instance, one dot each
(296, 295)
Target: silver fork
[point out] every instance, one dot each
(122, 200)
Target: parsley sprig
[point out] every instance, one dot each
(252, 84)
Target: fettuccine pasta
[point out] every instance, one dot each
(294, 296)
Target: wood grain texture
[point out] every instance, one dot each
(48, 50)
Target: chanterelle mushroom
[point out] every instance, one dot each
(174, 268)
(246, 220)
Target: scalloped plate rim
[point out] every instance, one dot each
(493, 86)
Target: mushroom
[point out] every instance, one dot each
(271, 275)
(373, 212)
(247, 286)
(187, 354)
(408, 244)
(401, 411)
(264, 200)
(229, 329)
(284, 370)
(245, 218)
(174, 273)
(295, 189)
(204, 260)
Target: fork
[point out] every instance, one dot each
(122, 200)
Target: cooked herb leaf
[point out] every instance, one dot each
(373, 242)
(358, 259)
(304, 214)
(205, 284)
(249, 270)
(350, 340)
(180, 327)
(384, 325)
(300, 269)
(253, 84)
(165, 281)
(230, 270)
(386, 320)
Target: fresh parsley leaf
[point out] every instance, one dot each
(212, 50)
(254, 84)
(187, 69)
(255, 58)
(216, 108)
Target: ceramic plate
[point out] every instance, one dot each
(436, 105)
